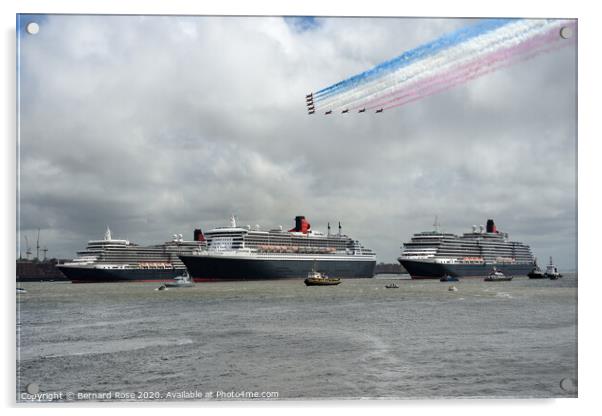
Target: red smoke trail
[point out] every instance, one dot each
(468, 71)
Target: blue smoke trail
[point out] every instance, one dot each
(415, 54)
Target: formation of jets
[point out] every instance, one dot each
(309, 101)
(363, 110)
(311, 109)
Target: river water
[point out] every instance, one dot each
(282, 340)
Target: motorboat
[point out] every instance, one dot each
(552, 271)
(448, 278)
(315, 278)
(183, 280)
(497, 276)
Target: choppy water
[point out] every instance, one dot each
(358, 339)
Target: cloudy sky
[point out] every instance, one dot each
(157, 125)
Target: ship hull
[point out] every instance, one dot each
(430, 270)
(221, 268)
(95, 275)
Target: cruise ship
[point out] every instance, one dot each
(245, 253)
(117, 260)
(434, 254)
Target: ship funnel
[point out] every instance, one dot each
(491, 226)
(301, 225)
(198, 235)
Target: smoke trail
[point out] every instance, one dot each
(478, 73)
(452, 59)
(420, 52)
(436, 62)
(469, 53)
(468, 70)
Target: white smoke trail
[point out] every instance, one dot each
(497, 54)
(478, 73)
(469, 47)
(389, 84)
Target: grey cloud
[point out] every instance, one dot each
(155, 125)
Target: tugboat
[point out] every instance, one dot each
(497, 276)
(536, 272)
(315, 278)
(183, 280)
(448, 278)
(552, 271)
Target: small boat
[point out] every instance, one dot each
(392, 286)
(315, 278)
(497, 276)
(181, 281)
(452, 289)
(21, 290)
(448, 278)
(536, 273)
(552, 271)
(162, 287)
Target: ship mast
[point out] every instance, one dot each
(38, 246)
(27, 248)
(436, 224)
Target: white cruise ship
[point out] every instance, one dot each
(249, 253)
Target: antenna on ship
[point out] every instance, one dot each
(45, 250)
(340, 227)
(27, 248)
(436, 223)
(233, 221)
(328, 228)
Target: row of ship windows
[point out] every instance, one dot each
(455, 248)
(278, 238)
(469, 249)
(296, 240)
(128, 261)
(143, 250)
(299, 243)
(466, 244)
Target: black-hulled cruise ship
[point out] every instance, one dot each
(242, 253)
(434, 254)
(115, 260)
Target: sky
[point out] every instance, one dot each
(158, 125)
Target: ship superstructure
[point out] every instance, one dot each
(433, 254)
(250, 253)
(112, 260)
